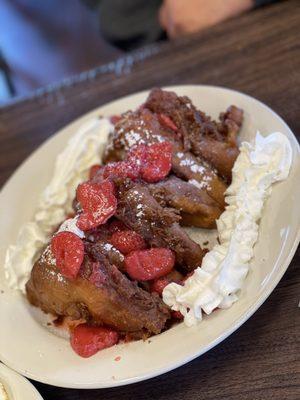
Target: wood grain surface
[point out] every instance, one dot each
(258, 54)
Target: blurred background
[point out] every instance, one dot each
(44, 41)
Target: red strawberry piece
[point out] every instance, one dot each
(177, 315)
(121, 169)
(127, 241)
(114, 119)
(158, 162)
(88, 340)
(98, 203)
(116, 226)
(167, 122)
(154, 160)
(138, 155)
(68, 250)
(93, 170)
(145, 265)
(158, 285)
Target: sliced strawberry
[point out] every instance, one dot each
(98, 203)
(93, 170)
(138, 155)
(127, 241)
(154, 160)
(88, 340)
(121, 169)
(158, 162)
(166, 121)
(145, 265)
(159, 284)
(68, 250)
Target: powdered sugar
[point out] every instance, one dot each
(108, 246)
(48, 257)
(57, 275)
(197, 169)
(133, 138)
(193, 166)
(204, 184)
(159, 138)
(140, 206)
(137, 135)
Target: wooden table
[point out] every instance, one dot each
(259, 55)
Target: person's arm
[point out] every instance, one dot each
(179, 17)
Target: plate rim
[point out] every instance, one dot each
(15, 379)
(237, 322)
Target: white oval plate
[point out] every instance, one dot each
(16, 386)
(35, 352)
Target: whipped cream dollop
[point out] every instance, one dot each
(83, 150)
(3, 392)
(225, 267)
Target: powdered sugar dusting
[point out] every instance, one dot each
(204, 184)
(194, 167)
(108, 246)
(137, 135)
(159, 138)
(48, 257)
(133, 138)
(58, 276)
(140, 206)
(197, 168)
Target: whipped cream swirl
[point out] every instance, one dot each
(225, 267)
(83, 150)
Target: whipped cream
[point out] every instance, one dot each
(225, 267)
(3, 392)
(70, 225)
(83, 150)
